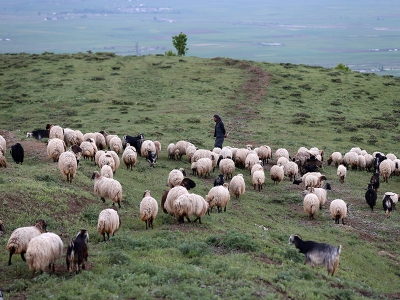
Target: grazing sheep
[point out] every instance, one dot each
(55, 131)
(116, 159)
(107, 171)
(182, 146)
(188, 183)
(341, 172)
(362, 163)
(107, 188)
(311, 205)
(170, 196)
(320, 192)
(338, 209)
(226, 152)
(336, 158)
(173, 152)
(218, 196)
(370, 196)
(387, 204)
(148, 209)
(237, 186)
(227, 167)
(385, 169)
(393, 196)
(108, 222)
(277, 173)
(77, 252)
(204, 167)
(175, 177)
(70, 137)
(256, 167)
(291, 170)
(107, 159)
(314, 181)
(129, 156)
(17, 153)
(258, 179)
(147, 146)
(190, 204)
(3, 161)
(282, 161)
(97, 156)
(318, 253)
(55, 147)
(369, 162)
(20, 237)
(115, 144)
(391, 156)
(190, 151)
(350, 160)
(240, 157)
(264, 153)
(219, 180)
(301, 156)
(89, 149)
(281, 152)
(68, 165)
(99, 140)
(375, 181)
(44, 250)
(251, 160)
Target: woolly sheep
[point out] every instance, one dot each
(55, 131)
(237, 186)
(182, 146)
(311, 205)
(129, 156)
(20, 237)
(108, 222)
(172, 195)
(89, 135)
(282, 161)
(277, 173)
(226, 152)
(258, 179)
(336, 158)
(216, 150)
(301, 156)
(55, 147)
(369, 162)
(70, 137)
(100, 140)
(314, 181)
(97, 156)
(148, 209)
(44, 250)
(193, 167)
(227, 167)
(240, 157)
(108, 137)
(190, 204)
(281, 152)
(106, 171)
(115, 144)
(204, 167)
(158, 147)
(264, 153)
(173, 152)
(350, 159)
(3, 161)
(107, 159)
(291, 170)
(319, 154)
(3, 143)
(175, 177)
(190, 151)
(202, 153)
(218, 196)
(356, 150)
(251, 160)
(147, 146)
(89, 149)
(362, 164)
(338, 209)
(341, 172)
(68, 165)
(385, 169)
(256, 167)
(391, 156)
(321, 193)
(116, 159)
(79, 136)
(107, 188)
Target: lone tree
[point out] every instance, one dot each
(179, 42)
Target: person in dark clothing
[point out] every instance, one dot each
(219, 132)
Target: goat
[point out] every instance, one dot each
(77, 252)
(151, 158)
(38, 134)
(318, 253)
(219, 180)
(17, 153)
(377, 161)
(135, 141)
(375, 181)
(370, 196)
(387, 205)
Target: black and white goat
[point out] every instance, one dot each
(318, 253)
(38, 134)
(77, 252)
(387, 205)
(152, 158)
(377, 161)
(370, 196)
(135, 141)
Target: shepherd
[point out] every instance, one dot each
(219, 132)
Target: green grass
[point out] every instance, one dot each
(240, 254)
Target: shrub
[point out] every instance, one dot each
(234, 240)
(170, 53)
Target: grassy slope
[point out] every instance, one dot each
(281, 105)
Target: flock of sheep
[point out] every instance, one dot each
(43, 249)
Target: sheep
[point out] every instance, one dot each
(55, 131)
(175, 177)
(385, 170)
(193, 167)
(219, 180)
(108, 222)
(282, 161)
(167, 205)
(369, 162)
(190, 204)
(151, 158)
(350, 159)
(225, 152)
(227, 167)
(2, 228)
(216, 150)
(256, 167)
(336, 158)
(264, 153)
(115, 156)
(97, 156)
(314, 181)
(79, 136)
(375, 181)
(67, 163)
(387, 204)
(100, 141)
(202, 153)
(38, 134)
(129, 156)
(393, 196)
(55, 147)
(3, 161)
(251, 160)
(321, 193)
(318, 253)
(319, 154)
(370, 196)
(378, 158)
(311, 204)
(258, 179)
(240, 157)
(173, 152)
(301, 156)
(356, 150)
(391, 156)
(204, 167)
(291, 170)
(190, 151)
(147, 146)
(188, 183)
(362, 163)
(341, 172)
(277, 173)
(281, 152)
(70, 137)
(158, 147)
(115, 144)
(135, 141)
(148, 209)
(77, 252)
(182, 146)
(17, 153)
(20, 237)
(237, 186)
(338, 209)
(218, 196)
(107, 159)
(107, 171)
(44, 250)
(89, 149)
(107, 188)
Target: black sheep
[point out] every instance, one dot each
(370, 196)
(375, 181)
(387, 205)
(17, 153)
(219, 180)
(77, 252)
(188, 183)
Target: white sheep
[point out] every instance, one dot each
(190, 151)
(338, 209)
(55, 131)
(182, 146)
(97, 156)
(251, 160)
(240, 157)
(116, 159)
(264, 153)
(20, 237)
(55, 147)
(99, 140)
(107, 188)
(107, 159)
(341, 172)
(108, 222)
(70, 137)
(226, 152)
(291, 169)
(256, 167)
(369, 161)
(202, 153)
(321, 193)
(277, 173)
(173, 194)
(218, 196)
(282, 161)
(350, 159)
(148, 209)
(89, 135)
(237, 186)
(44, 250)
(356, 150)
(311, 205)
(89, 149)
(158, 147)
(115, 144)
(147, 146)
(175, 177)
(314, 181)
(107, 171)
(281, 152)
(190, 204)
(68, 165)
(336, 158)
(385, 169)
(258, 179)
(129, 156)
(362, 163)
(216, 150)
(3, 143)
(204, 166)
(173, 152)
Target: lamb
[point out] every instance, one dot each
(190, 204)
(291, 170)
(336, 158)
(115, 144)
(387, 203)
(107, 171)
(175, 177)
(20, 237)
(258, 179)
(219, 180)
(147, 146)
(44, 250)
(264, 153)
(55, 147)
(218, 196)
(341, 172)
(277, 173)
(311, 205)
(89, 149)
(108, 222)
(77, 252)
(370, 196)
(227, 167)
(148, 209)
(67, 163)
(55, 131)
(338, 209)
(318, 253)
(17, 153)
(393, 196)
(129, 156)
(107, 188)
(170, 197)
(385, 170)
(237, 186)
(38, 134)
(204, 167)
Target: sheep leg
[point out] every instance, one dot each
(225, 209)
(254, 186)
(219, 209)
(119, 204)
(187, 218)
(343, 221)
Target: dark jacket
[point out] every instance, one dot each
(219, 129)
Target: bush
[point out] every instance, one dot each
(170, 53)
(234, 240)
